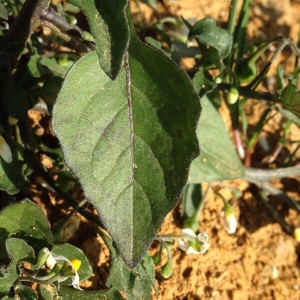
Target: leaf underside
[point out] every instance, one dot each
(130, 141)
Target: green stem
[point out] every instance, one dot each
(232, 16)
(240, 37)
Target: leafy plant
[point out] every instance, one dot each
(127, 119)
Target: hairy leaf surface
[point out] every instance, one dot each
(26, 221)
(108, 23)
(130, 141)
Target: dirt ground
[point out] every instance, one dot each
(237, 266)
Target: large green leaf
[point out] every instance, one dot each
(18, 251)
(218, 159)
(129, 141)
(108, 23)
(26, 221)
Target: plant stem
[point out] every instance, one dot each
(260, 175)
(27, 21)
(232, 16)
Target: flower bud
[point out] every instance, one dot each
(42, 258)
(166, 270)
(5, 151)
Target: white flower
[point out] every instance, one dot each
(230, 223)
(59, 259)
(189, 246)
(5, 151)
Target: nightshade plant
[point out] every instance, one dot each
(127, 119)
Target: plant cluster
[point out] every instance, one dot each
(127, 119)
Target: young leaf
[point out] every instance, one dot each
(26, 221)
(108, 23)
(145, 279)
(129, 141)
(208, 33)
(18, 251)
(121, 277)
(218, 159)
(25, 293)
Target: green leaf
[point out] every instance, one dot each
(130, 146)
(218, 159)
(67, 293)
(109, 26)
(18, 251)
(72, 252)
(121, 277)
(136, 283)
(4, 13)
(204, 82)
(290, 98)
(26, 293)
(12, 177)
(26, 221)
(145, 279)
(208, 33)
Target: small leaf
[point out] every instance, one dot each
(130, 146)
(218, 159)
(290, 98)
(26, 221)
(145, 279)
(121, 277)
(67, 293)
(25, 293)
(208, 33)
(72, 252)
(109, 26)
(18, 251)
(136, 283)
(204, 82)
